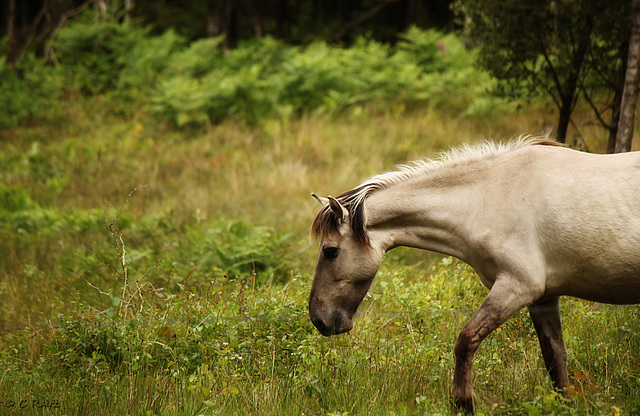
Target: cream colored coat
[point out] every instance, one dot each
(535, 221)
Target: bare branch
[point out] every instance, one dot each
(597, 112)
(63, 19)
(357, 22)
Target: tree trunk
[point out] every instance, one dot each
(219, 18)
(568, 97)
(357, 22)
(101, 6)
(630, 94)
(569, 92)
(617, 100)
(12, 33)
(564, 119)
(411, 15)
(128, 6)
(214, 24)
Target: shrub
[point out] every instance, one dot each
(14, 198)
(258, 80)
(94, 49)
(29, 93)
(264, 78)
(146, 59)
(203, 85)
(236, 249)
(18, 212)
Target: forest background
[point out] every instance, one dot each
(157, 162)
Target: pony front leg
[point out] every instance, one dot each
(502, 302)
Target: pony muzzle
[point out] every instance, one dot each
(333, 324)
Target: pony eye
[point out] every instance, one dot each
(330, 252)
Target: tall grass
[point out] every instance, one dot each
(232, 348)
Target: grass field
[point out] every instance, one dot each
(154, 271)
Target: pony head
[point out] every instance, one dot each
(348, 260)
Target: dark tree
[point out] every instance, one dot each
(30, 23)
(561, 48)
(630, 91)
(12, 35)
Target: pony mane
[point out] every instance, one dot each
(353, 200)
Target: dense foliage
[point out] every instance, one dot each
(566, 50)
(34, 21)
(199, 83)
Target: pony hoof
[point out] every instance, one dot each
(463, 406)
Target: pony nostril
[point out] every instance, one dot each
(319, 323)
(322, 326)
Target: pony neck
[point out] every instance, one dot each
(432, 212)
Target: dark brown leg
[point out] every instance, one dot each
(496, 309)
(546, 320)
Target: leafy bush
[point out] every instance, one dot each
(146, 60)
(179, 332)
(29, 93)
(237, 249)
(261, 79)
(264, 78)
(19, 213)
(322, 77)
(13, 198)
(94, 49)
(202, 84)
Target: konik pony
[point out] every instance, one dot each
(536, 221)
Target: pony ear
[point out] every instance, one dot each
(322, 201)
(341, 212)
